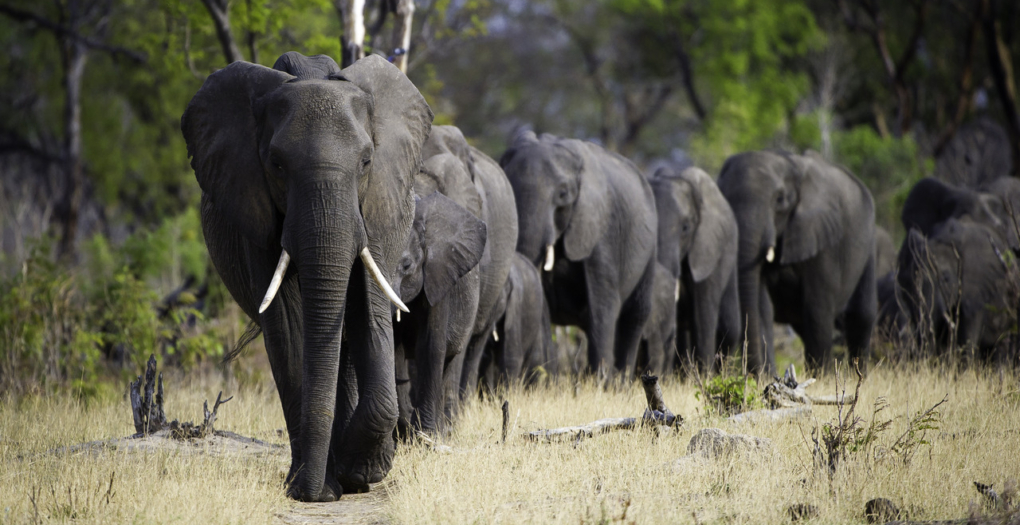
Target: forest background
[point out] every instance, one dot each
(103, 260)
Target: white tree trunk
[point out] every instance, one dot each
(402, 31)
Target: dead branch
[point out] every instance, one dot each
(656, 414)
(787, 393)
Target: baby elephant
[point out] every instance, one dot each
(522, 341)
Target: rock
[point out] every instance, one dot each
(802, 511)
(714, 443)
(880, 510)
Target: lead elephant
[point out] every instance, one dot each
(587, 216)
(698, 242)
(314, 167)
(445, 337)
(806, 253)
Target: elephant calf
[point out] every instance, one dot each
(522, 340)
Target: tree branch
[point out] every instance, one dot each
(688, 76)
(966, 79)
(221, 20)
(62, 31)
(998, 60)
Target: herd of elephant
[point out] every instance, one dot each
(390, 264)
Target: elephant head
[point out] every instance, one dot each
(557, 196)
(693, 223)
(932, 202)
(315, 164)
(446, 242)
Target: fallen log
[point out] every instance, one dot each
(775, 415)
(656, 414)
(787, 392)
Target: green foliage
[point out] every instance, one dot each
(727, 395)
(62, 327)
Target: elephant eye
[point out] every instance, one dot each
(405, 264)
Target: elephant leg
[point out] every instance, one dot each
(603, 312)
(451, 387)
(729, 316)
(468, 381)
(768, 354)
(859, 321)
(430, 356)
(756, 316)
(365, 454)
(631, 322)
(816, 328)
(402, 375)
(511, 362)
(707, 295)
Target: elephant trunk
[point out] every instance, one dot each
(326, 235)
(750, 298)
(536, 231)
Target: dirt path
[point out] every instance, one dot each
(359, 509)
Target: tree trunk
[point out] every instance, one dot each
(402, 32)
(352, 17)
(220, 13)
(1002, 75)
(74, 55)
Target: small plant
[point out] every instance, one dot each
(727, 395)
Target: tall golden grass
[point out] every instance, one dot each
(624, 476)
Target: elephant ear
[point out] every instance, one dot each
(319, 67)
(221, 132)
(447, 174)
(521, 138)
(454, 242)
(715, 224)
(401, 120)
(590, 218)
(448, 139)
(817, 220)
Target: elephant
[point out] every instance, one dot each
(956, 277)
(522, 341)
(698, 242)
(806, 253)
(447, 337)
(658, 341)
(306, 176)
(438, 277)
(587, 216)
(931, 202)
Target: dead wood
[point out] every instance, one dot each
(787, 392)
(656, 414)
(149, 417)
(771, 415)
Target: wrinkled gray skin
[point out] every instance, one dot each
(932, 202)
(960, 267)
(320, 165)
(524, 331)
(698, 243)
(658, 342)
(447, 354)
(598, 212)
(819, 221)
(438, 276)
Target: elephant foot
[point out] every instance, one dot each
(356, 474)
(331, 491)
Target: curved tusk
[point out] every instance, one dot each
(549, 258)
(274, 284)
(495, 335)
(380, 280)
(676, 291)
(398, 316)
(770, 255)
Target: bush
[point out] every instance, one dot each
(727, 395)
(73, 327)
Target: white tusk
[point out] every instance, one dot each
(770, 255)
(398, 316)
(380, 280)
(495, 336)
(676, 291)
(274, 284)
(549, 258)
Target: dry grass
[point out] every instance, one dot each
(628, 476)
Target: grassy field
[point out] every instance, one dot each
(624, 476)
